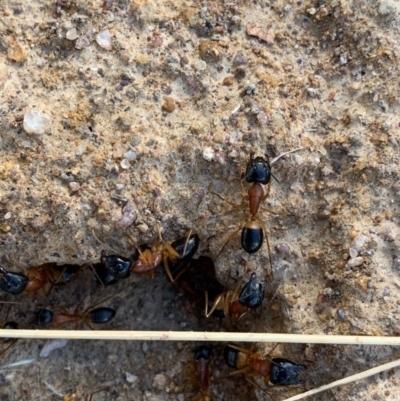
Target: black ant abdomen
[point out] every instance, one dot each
(102, 315)
(252, 236)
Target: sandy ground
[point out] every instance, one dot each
(144, 122)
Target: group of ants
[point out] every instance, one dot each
(196, 277)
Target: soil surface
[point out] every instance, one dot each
(147, 111)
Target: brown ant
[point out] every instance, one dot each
(235, 304)
(277, 371)
(202, 357)
(101, 315)
(146, 258)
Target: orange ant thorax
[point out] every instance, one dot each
(261, 366)
(62, 318)
(256, 194)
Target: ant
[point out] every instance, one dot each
(50, 273)
(202, 357)
(13, 283)
(112, 268)
(45, 317)
(277, 371)
(146, 258)
(258, 173)
(235, 304)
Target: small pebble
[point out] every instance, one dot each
(103, 39)
(74, 186)
(341, 314)
(359, 242)
(125, 164)
(201, 65)
(130, 378)
(386, 292)
(168, 105)
(71, 34)
(240, 59)
(130, 155)
(358, 261)
(16, 52)
(353, 253)
(129, 215)
(208, 154)
(282, 248)
(36, 122)
(228, 81)
(159, 381)
(82, 42)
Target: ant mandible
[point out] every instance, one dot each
(235, 304)
(277, 371)
(112, 268)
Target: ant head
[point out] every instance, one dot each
(258, 170)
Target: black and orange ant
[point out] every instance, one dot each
(202, 357)
(276, 371)
(101, 315)
(146, 258)
(235, 304)
(258, 174)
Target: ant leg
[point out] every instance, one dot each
(102, 243)
(269, 248)
(227, 242)
(187, 241)
(243, 205)
(216, 302)
(247, 351)
(274, 160)
(256, 385)
(168, 271)
(246, 370)
(87, 310)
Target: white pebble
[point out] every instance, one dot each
(74, 186)
(130, 155)
(125, 164)
(353, 253)
(208, 154)
(359, 242)
(201, 65)
(104, 39)
(130, 378)
(71, 34)
(36, 122)
(355, 262)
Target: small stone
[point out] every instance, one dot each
(263, 118)
(169, 104)
(201, 65)
(159, 381)
(7, 216)
(86, 54)
(52, 345)
(341, 314)
(228, 81)
(240, 59)
(5, 228)
(71, 34)
(130, 378)
(353, 253)
(208, 154)
(312, 11)
(82, 42)
(282, 248)
(130, 155)
(74, 186)
(36, 122)
(359, 242)
(103, 39)
(16, 52)
(125, 164)
(129, 216)
(358, 261)
(266, 36)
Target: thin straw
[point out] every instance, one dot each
(347, 380)
(199, 336)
